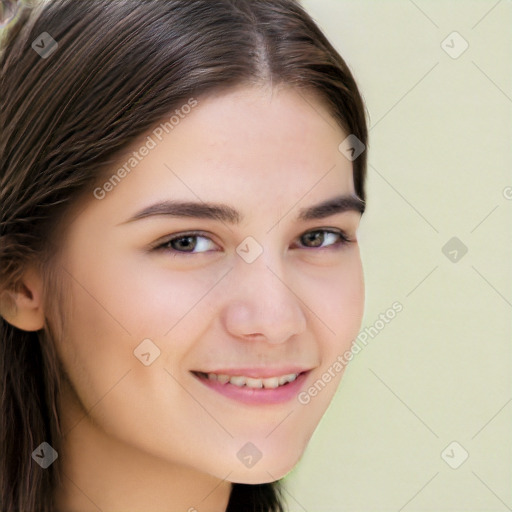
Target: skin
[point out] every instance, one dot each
(154, 437)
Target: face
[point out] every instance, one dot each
(250, 281)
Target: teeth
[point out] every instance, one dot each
(240, 380)
(253, 383)
(287, 378)
(237, 381)
(271, 383)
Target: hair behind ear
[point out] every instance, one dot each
(7, 303)
(27, 418)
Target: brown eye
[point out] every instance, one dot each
(313, 239)
(187, 243)
(317, 239)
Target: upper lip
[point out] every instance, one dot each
(258, 372)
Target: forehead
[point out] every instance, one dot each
(243, 146)
(281, 121)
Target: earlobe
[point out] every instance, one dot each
(24, 309)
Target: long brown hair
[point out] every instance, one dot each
(116, 69)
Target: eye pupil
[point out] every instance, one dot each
(316, 238)
(188, 245)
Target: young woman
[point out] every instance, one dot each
(181, 183)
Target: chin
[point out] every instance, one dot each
(262, 473)
(253, 478)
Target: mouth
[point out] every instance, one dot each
(254, 389)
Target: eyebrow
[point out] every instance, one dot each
(225, 213)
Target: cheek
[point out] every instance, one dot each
(95, 345)
(118, 302)
(146, 296)
(337, 299)
(171, 304)
(338, 302)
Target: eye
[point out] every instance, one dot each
(322, 238)
(194, 243)
(187, 243)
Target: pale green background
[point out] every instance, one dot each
(440, 159)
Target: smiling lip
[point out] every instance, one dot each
(256, 396)
(258, 373)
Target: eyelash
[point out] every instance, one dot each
(344, 240)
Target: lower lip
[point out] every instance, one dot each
(256, 396)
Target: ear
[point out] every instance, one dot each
(27, 311)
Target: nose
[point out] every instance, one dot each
(263, 304)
